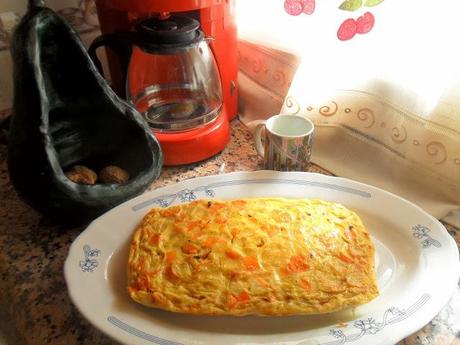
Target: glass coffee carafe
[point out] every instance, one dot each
(170, 71)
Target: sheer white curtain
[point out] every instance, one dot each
(386, 103)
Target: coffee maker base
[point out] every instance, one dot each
(194, 145)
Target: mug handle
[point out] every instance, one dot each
(259, 128)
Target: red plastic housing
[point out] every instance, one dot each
(217, 19)
(195, 145)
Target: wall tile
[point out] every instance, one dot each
(81, 14)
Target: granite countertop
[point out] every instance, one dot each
(35, 308)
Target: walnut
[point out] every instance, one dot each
(113, 174)
(82, 175)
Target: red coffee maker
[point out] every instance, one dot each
(188, 130)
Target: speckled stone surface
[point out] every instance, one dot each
(35, 307)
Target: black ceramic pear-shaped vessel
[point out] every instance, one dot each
(65, 114)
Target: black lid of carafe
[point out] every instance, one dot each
(166, 35)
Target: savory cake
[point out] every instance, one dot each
(263, 256)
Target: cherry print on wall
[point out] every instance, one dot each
(308, 6)
(347, 30)
(296, 7)
(350, 26)
(293, 7)
(365, 23)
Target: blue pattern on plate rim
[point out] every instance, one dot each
(421, 232)
(365, 327)
(89, 264)
(187, 195)
(370, 326)
(138, 333)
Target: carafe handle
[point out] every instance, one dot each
(121, 44)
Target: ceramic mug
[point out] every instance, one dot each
(287, 142)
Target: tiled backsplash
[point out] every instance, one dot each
(81, 14)
(8, 21)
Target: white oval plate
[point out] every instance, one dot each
(417, 266)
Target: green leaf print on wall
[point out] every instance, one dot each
(351, 5)
(371, 3)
